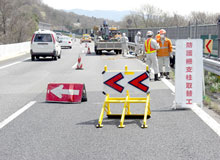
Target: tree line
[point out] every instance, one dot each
(20, 18)
(151, 16)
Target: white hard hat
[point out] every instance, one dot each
(138, 33)
(150, 33)
(123, 34)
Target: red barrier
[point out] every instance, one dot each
(61, 92)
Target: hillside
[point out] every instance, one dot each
(20, 18)
(107, 14)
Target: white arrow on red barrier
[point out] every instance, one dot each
(59, 91)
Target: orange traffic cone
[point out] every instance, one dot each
(79, 64)
(88, 52)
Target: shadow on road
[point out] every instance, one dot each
(111, 122)
(40, 60)
(171, 110)
(103, 54)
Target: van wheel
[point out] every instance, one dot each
(55, 58)
(32, 58)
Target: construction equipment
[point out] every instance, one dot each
(108, 39)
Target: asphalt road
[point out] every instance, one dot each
(54, 131)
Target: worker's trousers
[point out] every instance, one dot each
(124, 49)
(137, 49)
(164, 61)
(152, 62)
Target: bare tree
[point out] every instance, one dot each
(5, 11)
(203, 18)
(149, 15)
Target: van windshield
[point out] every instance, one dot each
(43, 38)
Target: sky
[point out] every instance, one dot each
(182, 7)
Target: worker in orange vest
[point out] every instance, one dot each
(151, 46)
(164, 54)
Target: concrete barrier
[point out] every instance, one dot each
(13, 50)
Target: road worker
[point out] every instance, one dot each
(158, 35)
(124, 41)
(164, 54)
(151, 47)
(137, 41)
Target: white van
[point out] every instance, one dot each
(43, 44)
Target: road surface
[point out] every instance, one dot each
(55, 131)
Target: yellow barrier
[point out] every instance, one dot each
(126, 109)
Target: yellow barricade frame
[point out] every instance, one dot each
(126, 109)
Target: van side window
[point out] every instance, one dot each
(43, 38)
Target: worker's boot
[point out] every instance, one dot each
(167, 75)
(156, 78)
(161, 74)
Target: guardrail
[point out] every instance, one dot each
(211, 65)
(12, 50)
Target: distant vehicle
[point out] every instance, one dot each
(66, 42)
(59, 35)
(43, 44)
(86, 38)
(92, 36)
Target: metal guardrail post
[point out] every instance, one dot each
(189, 30)
(196, 29)
(218, 36)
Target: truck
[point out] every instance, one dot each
(108, 39)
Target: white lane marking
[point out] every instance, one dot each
(12, 64)
(26, 59)
(16, 114)
(74, 66)
(169, 84)
(213, 124)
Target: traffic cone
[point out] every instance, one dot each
(79, 64)
(88, 52)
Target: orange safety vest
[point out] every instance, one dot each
(157, 36)
(148, 48)
(165, 49)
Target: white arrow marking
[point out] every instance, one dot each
(59, 91)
